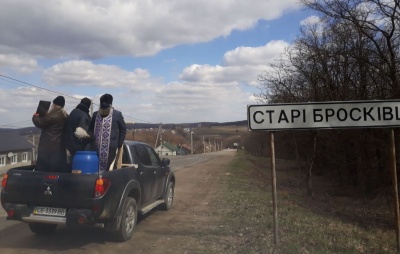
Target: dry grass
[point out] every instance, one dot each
(221, 130)
(327, 223)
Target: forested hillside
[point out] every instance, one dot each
(349, 51)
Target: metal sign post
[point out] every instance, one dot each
(395, 189)
(327, 115)
(274, 195)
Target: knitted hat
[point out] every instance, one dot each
(86, 101)
(106, 101)
(59, 101)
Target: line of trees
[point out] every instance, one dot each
(350, 50)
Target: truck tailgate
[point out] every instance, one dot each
(50, 189)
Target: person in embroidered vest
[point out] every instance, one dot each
(77, 127)
(52, 154)
(108, 130)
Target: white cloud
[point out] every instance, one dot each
(241, 65)
(203, 93)
(190, 102)
(312, 20)
(223, 75)
(255, 55)
(77, 28)
(19, 104)
(216, 90)
(85, 73)
(19, 63)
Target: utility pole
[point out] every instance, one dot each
(204, 146)
(191, 140)
(158, 133)
(162, 146)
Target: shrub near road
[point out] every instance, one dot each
(326, 223)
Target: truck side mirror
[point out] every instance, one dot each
(165, 162)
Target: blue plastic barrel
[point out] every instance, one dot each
(85, 162)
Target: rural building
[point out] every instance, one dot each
(15, 150)
(183, 150)
(166, 149)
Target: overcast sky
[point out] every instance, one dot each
(164, 61)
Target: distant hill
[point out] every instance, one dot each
(22, 131)
(35, 130)
(184, 125)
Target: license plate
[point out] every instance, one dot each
(40, 210)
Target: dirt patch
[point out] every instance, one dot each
(190, 226)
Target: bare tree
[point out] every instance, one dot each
(378, 21)
(353, 53)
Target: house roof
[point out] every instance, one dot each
(12, 141)
(170, 146)
(185, 149)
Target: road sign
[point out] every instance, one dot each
(324, 115)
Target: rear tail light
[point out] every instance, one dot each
(51, 177)
(11, 213)
(101, 187)
(4, 182)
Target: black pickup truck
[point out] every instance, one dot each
(111, 200)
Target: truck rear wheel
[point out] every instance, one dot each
(42, 228)
(128, 220)
(168, 197)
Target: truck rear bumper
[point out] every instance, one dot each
(73, 217)
(45, 219)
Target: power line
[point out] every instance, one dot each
(19, 82)
(41, 88)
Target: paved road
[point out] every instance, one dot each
(179, 162)
(159, 232)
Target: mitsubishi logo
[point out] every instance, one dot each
(48, 191)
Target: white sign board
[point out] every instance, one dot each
(324, 115)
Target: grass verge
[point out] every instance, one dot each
(326, 223)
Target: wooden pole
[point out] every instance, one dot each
(119, 157)
(395, 188)
(274, 195)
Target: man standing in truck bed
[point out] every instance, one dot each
(77, 127)
(52, 155)
(109, 130)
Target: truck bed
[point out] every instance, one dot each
(61, 190)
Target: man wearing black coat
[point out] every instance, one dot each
(77, 127)
(108, 130)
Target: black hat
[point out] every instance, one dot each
(106, 101)
(60, 101)
(86, 101)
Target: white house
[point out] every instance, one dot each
(15, 150)
(166, 149)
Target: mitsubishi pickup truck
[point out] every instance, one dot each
(111, 200)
